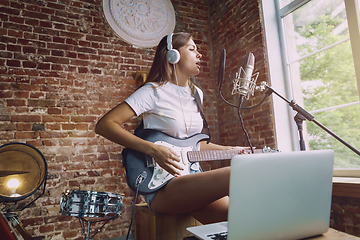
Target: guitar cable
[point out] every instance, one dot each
(139, 180)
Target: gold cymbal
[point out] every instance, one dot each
(23, 169)
(8, 173)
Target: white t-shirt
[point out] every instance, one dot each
(167, 108)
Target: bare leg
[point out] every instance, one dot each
(214, 212)
(204, 195)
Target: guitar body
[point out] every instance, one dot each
(142, 168)
(139, 165)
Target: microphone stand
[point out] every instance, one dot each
(299, 121)
(301, 115)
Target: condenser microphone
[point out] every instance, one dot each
(245, 76)
(244, 83)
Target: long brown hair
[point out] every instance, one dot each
(161, 70)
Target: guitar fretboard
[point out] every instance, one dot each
(198, 156)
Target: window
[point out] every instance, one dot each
(317, 40)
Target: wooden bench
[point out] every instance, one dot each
(150, 225)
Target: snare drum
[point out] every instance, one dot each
(91, 204)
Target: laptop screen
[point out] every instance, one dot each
(280, 195)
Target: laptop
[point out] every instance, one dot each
(284, 195)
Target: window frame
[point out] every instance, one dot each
(286, 132)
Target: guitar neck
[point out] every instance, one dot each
(212, 155)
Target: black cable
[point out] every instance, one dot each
(225, 99)
(267, 94)
(133, 211)
(139, 180)
(233, 105)
(257, 104)
(242, 123)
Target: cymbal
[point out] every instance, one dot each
(8, 173)
(24, 165)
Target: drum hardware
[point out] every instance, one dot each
(23, 170)
(89, 206)
(5, 230)
(82, 220)
(20, 228)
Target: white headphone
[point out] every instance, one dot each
(173, 55)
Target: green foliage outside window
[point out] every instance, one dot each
(330, 78)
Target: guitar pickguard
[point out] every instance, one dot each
(161, 176)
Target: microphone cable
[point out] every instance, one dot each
(266, 96)
(220, 79)
(252, 107)
(242, 123)
(221, 74)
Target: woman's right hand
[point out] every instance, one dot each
(109, 126)
(167, 159)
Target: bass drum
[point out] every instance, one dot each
(91, 204)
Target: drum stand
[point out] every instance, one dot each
(5, 230)
(86, 233)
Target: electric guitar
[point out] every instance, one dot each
(141, 168)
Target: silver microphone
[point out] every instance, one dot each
(244, 82)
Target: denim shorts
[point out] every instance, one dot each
(149, 198)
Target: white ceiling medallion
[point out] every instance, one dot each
(140, 22)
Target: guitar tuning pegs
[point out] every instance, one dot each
(269, 150)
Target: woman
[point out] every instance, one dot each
(166, 103)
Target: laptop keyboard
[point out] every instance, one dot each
(218, 236)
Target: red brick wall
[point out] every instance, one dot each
(345, 214)
(62, 68)
(244, 36)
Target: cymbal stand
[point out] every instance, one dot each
(20, 228)
(87, 232)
